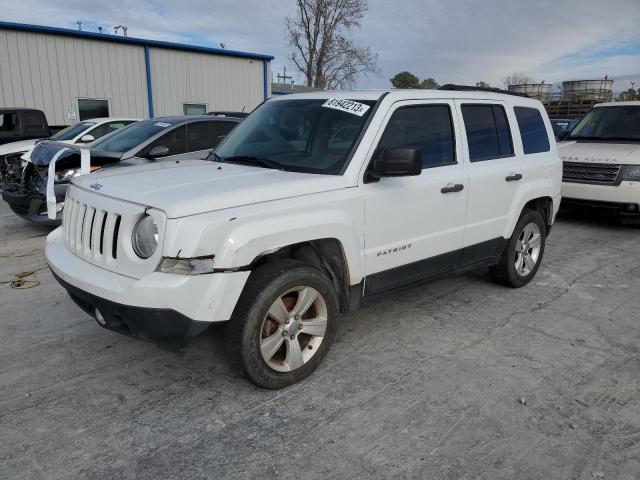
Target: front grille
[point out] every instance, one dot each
(91, 232)
(98, 229)
(595, 173)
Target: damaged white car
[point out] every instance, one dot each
(315, 203)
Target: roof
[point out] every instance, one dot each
(630, 103)
(19, 109)
(110, 119)
(106, 37)
(177, 119)
(408, 94)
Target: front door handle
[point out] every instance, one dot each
(458, 187)
(514, 177)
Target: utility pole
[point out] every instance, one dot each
(282, 79)
(79, 25)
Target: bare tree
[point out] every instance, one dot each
(517, 78)
(321, 50)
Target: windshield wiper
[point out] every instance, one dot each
(213, 156)
(251, 160)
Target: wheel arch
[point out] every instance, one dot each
(326, 254)
(537, 199)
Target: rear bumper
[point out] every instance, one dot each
(162, 326)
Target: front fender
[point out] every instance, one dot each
(237, 236)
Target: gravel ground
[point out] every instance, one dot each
(459, 378)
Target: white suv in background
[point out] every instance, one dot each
(601, 159)
(313, 204)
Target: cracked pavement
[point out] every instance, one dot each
(426, 382)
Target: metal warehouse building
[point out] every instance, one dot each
(73, 75)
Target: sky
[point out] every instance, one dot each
(453, 41)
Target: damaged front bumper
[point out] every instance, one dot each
(23, 188)
(32, 205)
(163, 307)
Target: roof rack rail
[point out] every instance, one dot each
(471, 88)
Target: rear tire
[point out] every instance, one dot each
(284, 323)
(522, 256)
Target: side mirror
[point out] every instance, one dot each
(158, 151)
(87, 138)
(397, 162)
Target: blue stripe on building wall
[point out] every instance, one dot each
(147, 66)
(265, 68)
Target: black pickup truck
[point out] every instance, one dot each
(23, 124)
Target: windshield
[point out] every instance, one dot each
(131, 136)
(72, 132)
(609, 123)
(312, 136)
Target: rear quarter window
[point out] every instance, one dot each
(532, 130)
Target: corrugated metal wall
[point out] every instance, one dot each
(51, 72)
(222, 83)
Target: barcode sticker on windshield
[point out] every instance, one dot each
(348, 106)
(162, 124)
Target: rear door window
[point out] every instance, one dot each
(532, 130)
(425, 127)
(175, 141)
(206, 135)
(33, 123)
(488, 132)
(8, 124)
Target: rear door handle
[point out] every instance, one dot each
(514, 177)
(458, 187)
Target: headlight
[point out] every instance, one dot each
(631, 172)
(145, 237)
(187, 266)
(65, 176)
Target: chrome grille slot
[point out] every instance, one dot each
(595, 173)
(98, 229)
(91, 232)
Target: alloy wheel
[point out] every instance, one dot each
(528, 249)
(293, 329)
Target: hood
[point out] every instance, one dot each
(600, 152)
(16, 147)
(43, 152)
(190, 187)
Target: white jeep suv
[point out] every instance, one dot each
(601, 159)
(313, 204)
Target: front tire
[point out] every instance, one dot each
(522, 256)
(284, 323)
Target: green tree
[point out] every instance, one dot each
(405, 80)
(429, 84)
